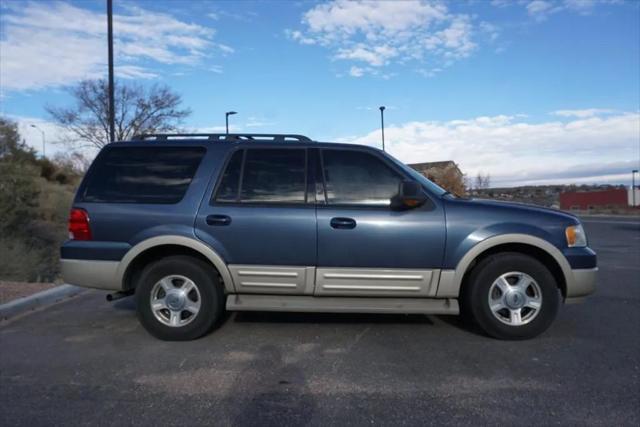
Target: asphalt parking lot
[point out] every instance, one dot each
(86, 361)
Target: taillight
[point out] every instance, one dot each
(79, 225)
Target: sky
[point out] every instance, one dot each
(528, 91)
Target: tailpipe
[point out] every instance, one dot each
(117, 295)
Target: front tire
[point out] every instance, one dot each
(179, 298)
(511, 296)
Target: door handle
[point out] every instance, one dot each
(218, 220)
(344, 223)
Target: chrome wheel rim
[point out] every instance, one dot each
(515, 298)
(175, 300)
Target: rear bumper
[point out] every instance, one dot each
(583, 284)
(91, 273)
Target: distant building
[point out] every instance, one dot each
(585, 200)
(446, 174)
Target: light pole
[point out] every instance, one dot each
(633, 186)
(43, 138)
(226, 118)
(112, 125)
(382, 124)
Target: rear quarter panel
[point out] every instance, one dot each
(116, 227)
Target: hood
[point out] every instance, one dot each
(522, 207)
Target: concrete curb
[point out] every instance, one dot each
(37, 300)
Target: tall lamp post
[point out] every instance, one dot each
(382, 124)
(633, 186)
(226, 118)
(44, 140)
(112, 125)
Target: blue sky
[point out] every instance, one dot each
(550, 86)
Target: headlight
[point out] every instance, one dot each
(576, 238)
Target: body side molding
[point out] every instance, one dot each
(269, 279)
(376, 282)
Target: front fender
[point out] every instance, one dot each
(461, 247)
(451, 279)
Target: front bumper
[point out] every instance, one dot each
(582, 283)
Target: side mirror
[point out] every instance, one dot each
(410, 195)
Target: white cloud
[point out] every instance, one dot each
(589, 112)
(515, 152)
(53, 136)
(542, 9)
(356, 71)
(382, 33)
(46, 44)
(216, 69)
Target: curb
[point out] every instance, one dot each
(37, 300)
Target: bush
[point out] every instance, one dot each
(35, 197)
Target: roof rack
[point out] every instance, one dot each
(224, 137)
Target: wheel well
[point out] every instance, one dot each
(135, 268)
(533, 251)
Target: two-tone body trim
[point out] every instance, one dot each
(451, 280)
(262, 279)
(376, 282)
(342, 304)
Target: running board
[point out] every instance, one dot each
(310, 304)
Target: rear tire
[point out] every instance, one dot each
(511, 296)
(179, 298)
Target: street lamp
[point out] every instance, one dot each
(43, 138)
(226, 118)
(382, 124)
(633, 186)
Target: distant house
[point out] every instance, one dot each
(446, 174)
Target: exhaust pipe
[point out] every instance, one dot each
(117, 295)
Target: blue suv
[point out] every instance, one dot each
(196, 224)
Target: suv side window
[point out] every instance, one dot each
(265, 176)
(158, 175)
(358, 178)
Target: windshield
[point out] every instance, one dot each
(432, 186)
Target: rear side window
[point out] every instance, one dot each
(358, 178)
(267, 176)
(142, 175)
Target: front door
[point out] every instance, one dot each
(261, 220)
(364, 247)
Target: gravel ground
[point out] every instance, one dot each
(14, 290)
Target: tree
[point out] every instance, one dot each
(35, 196)
(452, 181)
(18, 180)
(482, 181)
(137, 111)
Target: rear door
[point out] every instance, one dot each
(262, 219)
(364, 247)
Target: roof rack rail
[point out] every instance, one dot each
(224, 137)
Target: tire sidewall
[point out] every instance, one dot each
(203, 276)
(493, 267)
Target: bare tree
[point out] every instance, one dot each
(137, 110)
(482, 181)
